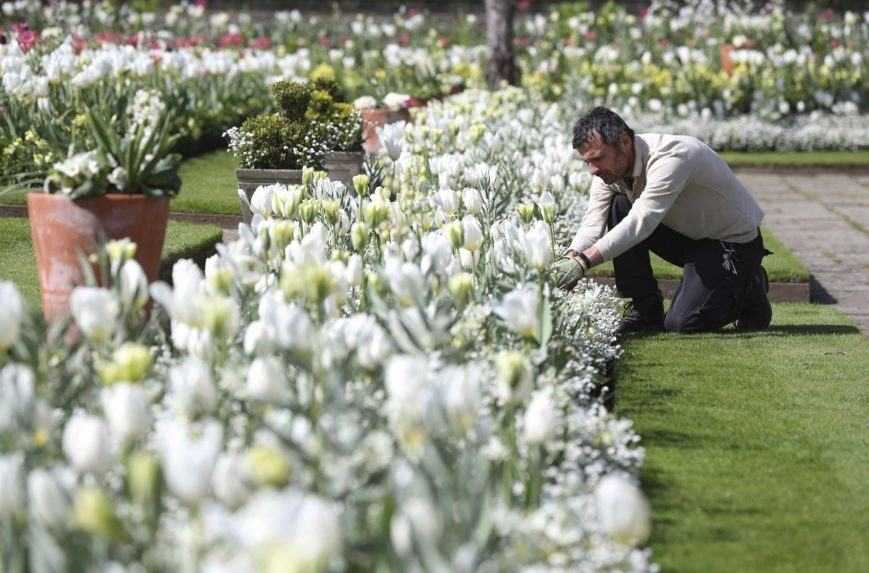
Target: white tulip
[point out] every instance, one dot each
(192, 390)
(355, 268)
(11, 314)
(86, 442)
(623, 510)
(519, 311)
(261, 200)
(95, 311)
(538, 246)
(48, 493)
(188, 457)
(473, 233)
(259, 338)
(231, 479)
(266, 380)
(447, 200)
(542, 418)
(391, 138)
(406, 281)
(11, 484)
(461, 396)
(306, 528)
(134, 284)
(127, 409)
(472, 200)
(16, 395)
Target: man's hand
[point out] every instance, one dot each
(568, 270)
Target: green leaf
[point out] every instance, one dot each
(544, 314)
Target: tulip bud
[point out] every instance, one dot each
(307, 177)
(93, 512)
(512, 368)
(220, 317)
(461, 286)
(547, 207)
(360, 184)
(281, 234)
(526, 212)
(268, 466)
(144, 478)
(359, 236)
(120, 251)
(455, 233)
(331, 208)
(130, 363)
(308, 210)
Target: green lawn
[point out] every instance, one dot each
(207, 186)
(797, 158)
(757, 444)
(17, 262)
(782, 266)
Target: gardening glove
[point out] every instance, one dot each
(567, 272)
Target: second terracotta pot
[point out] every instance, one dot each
(378, 117)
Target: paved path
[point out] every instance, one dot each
(824, 219)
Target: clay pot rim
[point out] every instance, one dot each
(115, 197)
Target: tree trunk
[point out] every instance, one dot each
(499, 37)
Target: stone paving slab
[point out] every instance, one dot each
(824, 219)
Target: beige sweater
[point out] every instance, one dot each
(679, 182)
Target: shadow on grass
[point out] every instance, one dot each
(774, 330)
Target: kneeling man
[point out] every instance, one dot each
(674, 196)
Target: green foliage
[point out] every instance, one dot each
(293, 98)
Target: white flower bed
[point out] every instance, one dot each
(383, 379)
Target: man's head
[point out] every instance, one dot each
(605, 143)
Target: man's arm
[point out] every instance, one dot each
(594, 221)
(666, 177)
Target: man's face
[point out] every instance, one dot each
(609, 162)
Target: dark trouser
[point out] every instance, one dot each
(718, 279)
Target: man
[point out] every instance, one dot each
(676, 197)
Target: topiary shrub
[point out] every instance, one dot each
(293, 98)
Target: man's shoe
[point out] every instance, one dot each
(756, 313)
(645, 315)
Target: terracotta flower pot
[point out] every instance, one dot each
(343, 165)
(378, 117)
(63, 229)
(250, 179)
